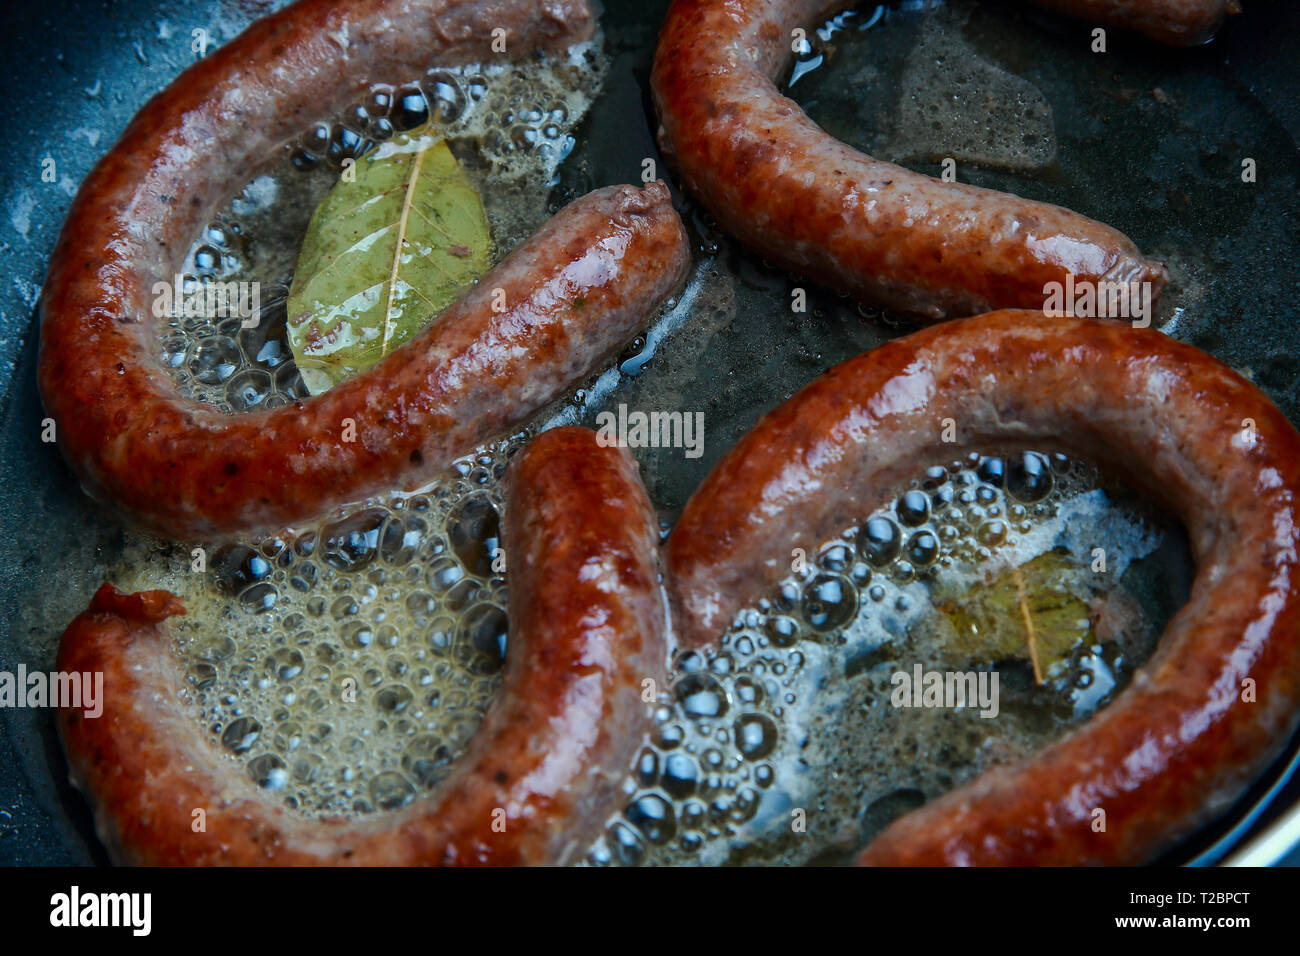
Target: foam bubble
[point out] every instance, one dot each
(346, 663)
(790, 713)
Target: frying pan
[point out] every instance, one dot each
(1146, 139)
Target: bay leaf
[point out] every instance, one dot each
(1027, 612)
(385, 252)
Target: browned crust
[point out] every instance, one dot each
(816, 206)
(588, 625)
(1180, 743)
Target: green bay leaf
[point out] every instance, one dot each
(385, 252)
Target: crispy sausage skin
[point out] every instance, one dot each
(1173, 22)
(587, 626)
(816, 206)
(574, 293)
(1180, 743)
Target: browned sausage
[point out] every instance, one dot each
(1180, 743)
(812, 204)
(587, 625)
(1175, 22)
(574, 293)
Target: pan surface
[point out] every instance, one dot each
(1148, 140)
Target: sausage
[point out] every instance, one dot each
(574, 293)
(587, 627)
(812, 204)
(1180, 743)
(1173, 22)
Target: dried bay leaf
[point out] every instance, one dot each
(383, 255)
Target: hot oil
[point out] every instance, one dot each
(923, 93)
(783, 745)
(346, 663)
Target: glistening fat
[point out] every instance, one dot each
(587, 626)
(820, 208)
(185, 469)
(1184, 739)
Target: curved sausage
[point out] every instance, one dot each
(1180, 742)
(816, 206)
(574, 293)
(1173, 22)
(587, 626)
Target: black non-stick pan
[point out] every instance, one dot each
(1147, 139)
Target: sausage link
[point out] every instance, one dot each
(587, 626)
(574, 293)
(1180, 743)
(818, 207)
(1172, 22)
